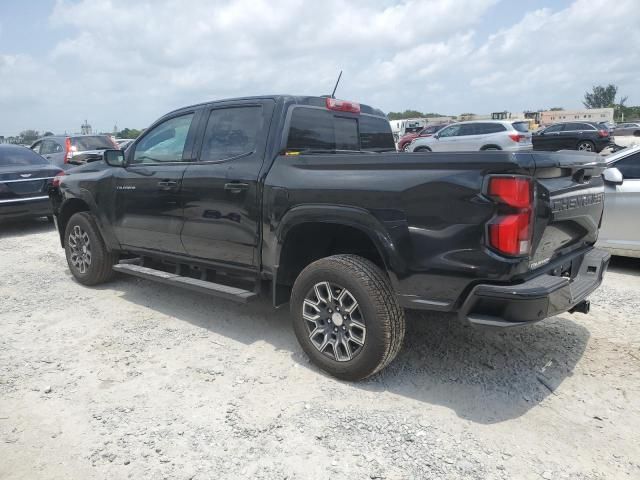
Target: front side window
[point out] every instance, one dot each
(451, 131)
(165, 142)
(629, 167)
(554, 128)
(231, 132)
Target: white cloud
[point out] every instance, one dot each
(132, 61)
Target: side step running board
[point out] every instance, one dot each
(217, 289)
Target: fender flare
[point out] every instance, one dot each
(350, 216)
(85, 196)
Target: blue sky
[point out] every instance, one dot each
(117, 61)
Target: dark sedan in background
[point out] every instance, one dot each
(25, 179)
(629, 128)
(585, 136)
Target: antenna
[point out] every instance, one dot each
(333, 95)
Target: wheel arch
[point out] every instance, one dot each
(491, 145)
(309, 233)
(84, 203)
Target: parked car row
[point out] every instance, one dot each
(480, 135)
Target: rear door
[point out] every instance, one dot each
(620, 228)
(220, 187)
(147, 207)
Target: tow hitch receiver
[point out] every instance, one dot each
(582, 307)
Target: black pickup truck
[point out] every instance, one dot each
(306, 199)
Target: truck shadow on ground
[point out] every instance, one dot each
(24, 227)
(485, 376)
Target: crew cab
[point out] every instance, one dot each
(305, 199)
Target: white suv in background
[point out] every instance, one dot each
(477, 135)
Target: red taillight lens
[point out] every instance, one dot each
(510, 232)
(67, 150)
(603, 133)
(57, 179)
(514, 191)
(342, 105)
(517, 137)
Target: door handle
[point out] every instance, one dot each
(167, 184)
(236, 187)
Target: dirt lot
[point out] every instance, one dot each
(135, 380)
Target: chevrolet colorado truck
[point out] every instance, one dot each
(305, 199)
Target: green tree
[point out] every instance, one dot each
(556, 109)
(29, 136)
(47, 134)
(601, 96)
(129, 133)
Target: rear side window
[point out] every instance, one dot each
(573, 127)
(521, 126)
(319, 129)
(95, 142)
(231, 132)
(629, 167)
(486, 128)
(20, 157)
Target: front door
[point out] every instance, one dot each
(446, 139)
(147, 204)
(220, 188)
(549, 138)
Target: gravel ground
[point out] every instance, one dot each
(135, 380)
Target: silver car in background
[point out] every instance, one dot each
(477, 135)
(620, 230)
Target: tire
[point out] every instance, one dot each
(487, 149)
(586, 146)
(96, 267)
(422, 149)
(372, 330)
(50, 218)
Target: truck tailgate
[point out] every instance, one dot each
(569, 203)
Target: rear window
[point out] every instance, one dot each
(521, 126)
(97, 142)
(318, 129)
(20, 157)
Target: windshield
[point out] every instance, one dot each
(95, 142)
(20, 157)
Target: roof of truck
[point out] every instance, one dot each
(314, 101)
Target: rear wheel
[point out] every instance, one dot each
(346, 316)
(87, 256)
(586, 146)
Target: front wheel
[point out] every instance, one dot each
(87, 256)
(346, 316)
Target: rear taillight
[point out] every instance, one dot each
(57, 179)
(67, 150)
(516, 137)
(342, 105)
(603, 133)
(510, 232)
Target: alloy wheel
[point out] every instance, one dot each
(334, 321)
(585, 147)
(80, 249)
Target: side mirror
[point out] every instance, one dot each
(613, 176)
(436, 136)
(114, 158)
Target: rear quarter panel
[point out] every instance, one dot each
(428, 207)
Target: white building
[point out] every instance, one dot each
(588, 115)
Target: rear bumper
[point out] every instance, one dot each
(25, 207)
(537, 298)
